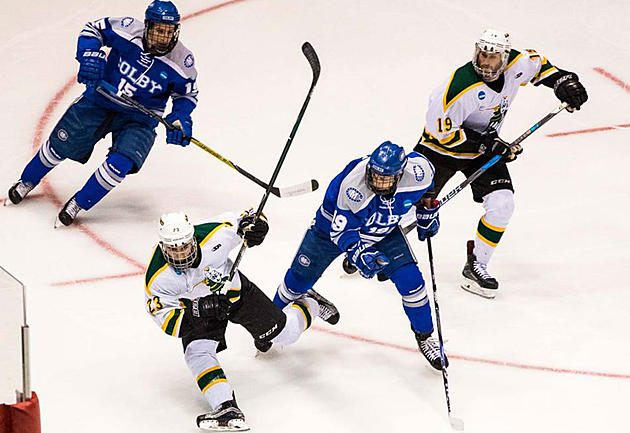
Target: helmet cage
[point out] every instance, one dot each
(381, 184)
(157, 40)
(179, 255)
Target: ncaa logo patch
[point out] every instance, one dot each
(481, 95)
(354, 194)
(407, 203)
(418, 173)
(62, 135)
(304, 260)
(189, 61)
(126, 22)
(163, 75)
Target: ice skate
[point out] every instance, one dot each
(18, 191)
(68, 213)
(327, 310)
(477, 280)
(225, 418)
(430, 349)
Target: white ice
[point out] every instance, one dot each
(101, 365)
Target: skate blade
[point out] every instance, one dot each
(58, 223)
(235, 426)
(7, 202)
(473, 287)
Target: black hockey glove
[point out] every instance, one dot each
(493, 145)
(253, 230)
(214, 306)
(569, 89)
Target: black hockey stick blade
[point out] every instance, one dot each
(312, 58)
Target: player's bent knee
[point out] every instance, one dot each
(407, 279)
(500, 204)
(118, 165)
(291, 331)
(295, 284)
(200, 349)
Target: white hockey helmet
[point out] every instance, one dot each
(177, 240)
(491, 54)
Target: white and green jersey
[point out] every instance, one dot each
(465, 100)
(168, 292)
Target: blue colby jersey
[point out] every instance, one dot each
(351, 212)
(149, 80)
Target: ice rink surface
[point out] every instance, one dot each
(549, 354)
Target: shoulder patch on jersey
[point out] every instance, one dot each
(462, 80)
(418, 174)
(155, 266)
(354, 194)
(181, 59)
(126, 22)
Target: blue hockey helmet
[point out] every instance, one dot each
(161, 28)
(385, 168)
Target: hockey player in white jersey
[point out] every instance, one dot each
(462, 129)
(360, 218)
(189, 295)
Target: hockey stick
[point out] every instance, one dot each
(514, 146)
(456, 423)
(311, 56)
(111, 93)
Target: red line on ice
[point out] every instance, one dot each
(472, 358)
(618, 82)
(96, 279)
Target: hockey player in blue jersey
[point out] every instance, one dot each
(360, 217)
(147, 62)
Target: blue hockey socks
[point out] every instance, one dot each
(44, 161)
(410, 285)
(106, 177)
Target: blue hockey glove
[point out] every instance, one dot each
(91, 67)
(368, 260)
(427, 221)
(182, 129)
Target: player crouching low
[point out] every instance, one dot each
(189, 295)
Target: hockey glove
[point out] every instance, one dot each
(427, 220)
(569, 89)
(493, 145)
(368, 260)
(253, 230)
(91, 67)
(181, 130)
(214, 306)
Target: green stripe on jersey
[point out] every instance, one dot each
(462, 79)
(157, 261)
(172, 323)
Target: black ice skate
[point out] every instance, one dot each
(68, 213)
(430, 349)
(18, 191)
(477, 280)
(327, 310)
(225, 418)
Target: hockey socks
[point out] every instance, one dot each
(108, 176)
(201, 358)
(410, 285)
(290, 289)
(41, 164)
(499, 206)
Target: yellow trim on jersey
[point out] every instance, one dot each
(445, 140)
(214, 230)
(490, 226)
(159, 271)
(235, 298)
(509, 65)
(447, 152)
(445, 106)
(167, 320)
(539, 75)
